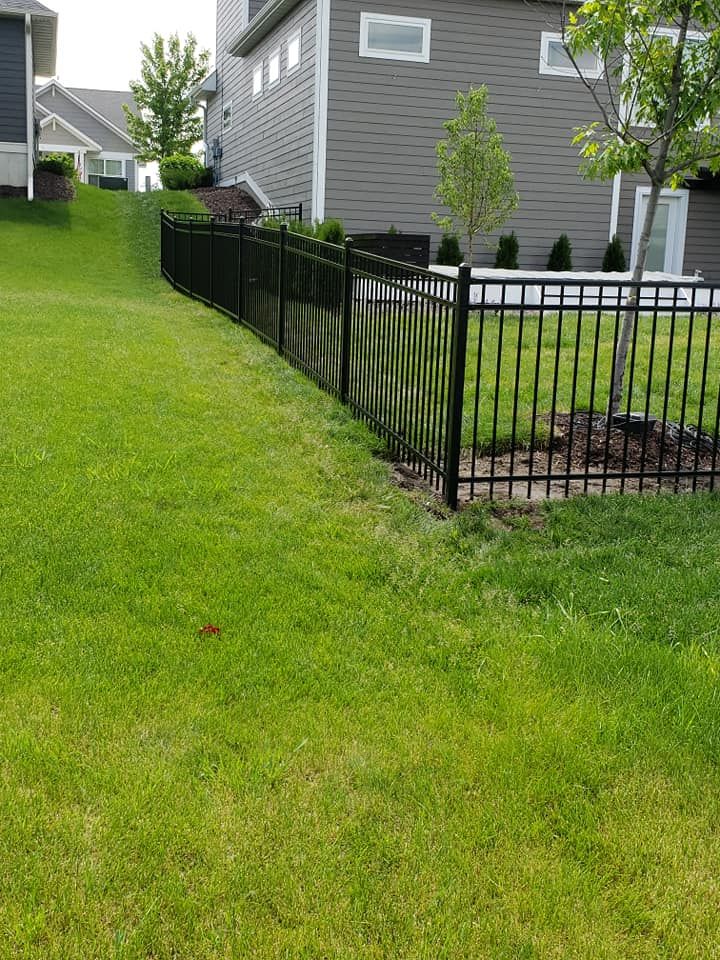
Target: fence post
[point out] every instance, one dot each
(190, 258)
(300, 212)
(456, 387)
(240, 299)
(282, 256)
(346, 322)
(212, 257)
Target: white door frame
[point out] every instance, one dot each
(677, 227)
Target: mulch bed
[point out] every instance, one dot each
(222, 200)
(12, 193)
(584, 444)
(51, 186)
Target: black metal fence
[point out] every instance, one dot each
(483, 389)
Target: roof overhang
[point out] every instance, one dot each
(270, 15)
(54, 119)
(206, 89)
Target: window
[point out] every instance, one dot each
(695, 51)
(394, 38)
(258, 80)
(274, 68)
(554, 59)
(293, 52)
(100, 167)
(227, 116)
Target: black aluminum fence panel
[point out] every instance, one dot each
(541, 373)
(504, 396)
(260, 282)
(225, 268)
(401, 345)
(313, 300)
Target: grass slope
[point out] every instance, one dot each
(413, 738)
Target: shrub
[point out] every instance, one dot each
(614, 259)
(180, 171)
(561, 254)
(393, 230)
(207, 178)
(331, 231)
(449, 253)
(60, 163)
(507, 252)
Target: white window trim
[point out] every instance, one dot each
(679, 227)
(545, 67)
(365, 51)
(109, 156)
(227, 123)
(258, 68)
(275, 54)
(297, 35)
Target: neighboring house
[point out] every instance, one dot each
(338, 104)
(28, 44)
(90, 125)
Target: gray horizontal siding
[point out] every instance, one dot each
(385, 117)
(13, 104)
(702, 240)
(272, 136)
(79, 118)
(255, 6)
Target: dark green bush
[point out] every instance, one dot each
(331, 231)
(449, 253)
(507, 252)
(614, 260)
(207, 178)
(561, 254)
(180, 172)
(60, 163)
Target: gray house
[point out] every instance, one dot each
(89, 125)
(28, 43)
(339, 104)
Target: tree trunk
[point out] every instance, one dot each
(471, 244)
(628, 324)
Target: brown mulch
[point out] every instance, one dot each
(582, 444)
(222, 200)
(51, 186)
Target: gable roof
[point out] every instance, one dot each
(108, 103)
(44, 32)
(109, 99)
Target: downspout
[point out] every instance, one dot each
(615, 204)
(30, 107)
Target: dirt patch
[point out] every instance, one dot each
(225, 200)
(52, 186)
(415, 485)
(584, 444)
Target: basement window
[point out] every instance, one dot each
(554, 59)
(395, 38)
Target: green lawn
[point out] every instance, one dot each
(482, 737)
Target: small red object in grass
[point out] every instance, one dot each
(210, 629)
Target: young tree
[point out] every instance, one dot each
(658, 101)
(167, 122)
(475, 180)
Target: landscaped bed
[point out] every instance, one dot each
(493, 735)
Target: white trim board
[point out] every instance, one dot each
(244, 179)
(677, 227)
(320, 118)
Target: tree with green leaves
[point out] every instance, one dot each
(167, 121)
(658, 102)
(475, 179)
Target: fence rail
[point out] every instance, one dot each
(494, 388)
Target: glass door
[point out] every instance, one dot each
(667, 239)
